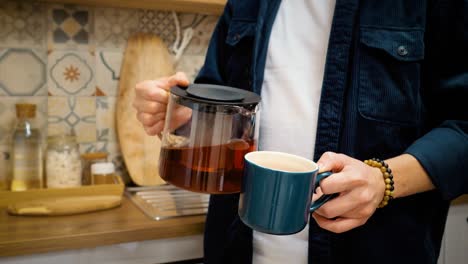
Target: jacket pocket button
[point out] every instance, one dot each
(402, 51)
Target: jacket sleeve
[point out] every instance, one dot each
(212, 71)
(443, 151)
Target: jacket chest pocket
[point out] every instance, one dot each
(239, 42)
(389, 75)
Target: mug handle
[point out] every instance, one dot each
(324, 198)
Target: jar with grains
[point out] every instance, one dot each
(63, 163)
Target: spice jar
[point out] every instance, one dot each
(89, 159)
(63, 164)
(103, 173)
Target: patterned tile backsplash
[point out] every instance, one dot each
(71, 73)
(30, 80)
(73, 115)
(108, 72)
(114, 27)
(158, 22)
(67, 58)
(70, 28)
(22, 24)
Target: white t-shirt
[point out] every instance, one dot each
(290, 101)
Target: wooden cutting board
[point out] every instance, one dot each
(146, 58)
(65, 205)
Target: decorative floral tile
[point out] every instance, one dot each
(73, 115)
(22, 72)
(71, 73)
(108, 65)
(203, 27)
(115, 26)
(8, 115)
(160, 23)
(22, 24)
(105, 118)
(190, 65)
(70, 27)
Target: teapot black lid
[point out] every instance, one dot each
(216, 94)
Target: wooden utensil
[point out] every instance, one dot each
(146, 58)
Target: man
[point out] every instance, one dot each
(384, 79)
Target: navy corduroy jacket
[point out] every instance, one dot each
(396, 81)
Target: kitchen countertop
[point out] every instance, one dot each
(22, 235)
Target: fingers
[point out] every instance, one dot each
(342, 181)
(350, 204)
(155, 129)
(331, 161)
(317, 194)
(336, 207)
(339, 225)
(180, 116)
(347, 174)
(157, 90)
(152, 90)
(360, 190)
(149, 107)
(152, 123)
(149, 120)
(151, 99)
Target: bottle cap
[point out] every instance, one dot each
(60, 139)
(103, 168)
(94, 156)
(25, 110)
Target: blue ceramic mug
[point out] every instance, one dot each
(276, 192)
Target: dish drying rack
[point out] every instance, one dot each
(167, 201)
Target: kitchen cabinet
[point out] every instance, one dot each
(138, 252)
(454, 248)
(213, 7)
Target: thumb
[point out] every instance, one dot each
(178, 79)
(330, 161)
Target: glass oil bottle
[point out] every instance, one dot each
(27, 159)
(5, 168)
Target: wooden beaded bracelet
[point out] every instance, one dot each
(388, 178)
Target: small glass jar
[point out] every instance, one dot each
(63, 163)
(88, 159)
(103, 173)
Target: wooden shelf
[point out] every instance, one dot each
(212, 7)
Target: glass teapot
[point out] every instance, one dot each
(208, 130)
